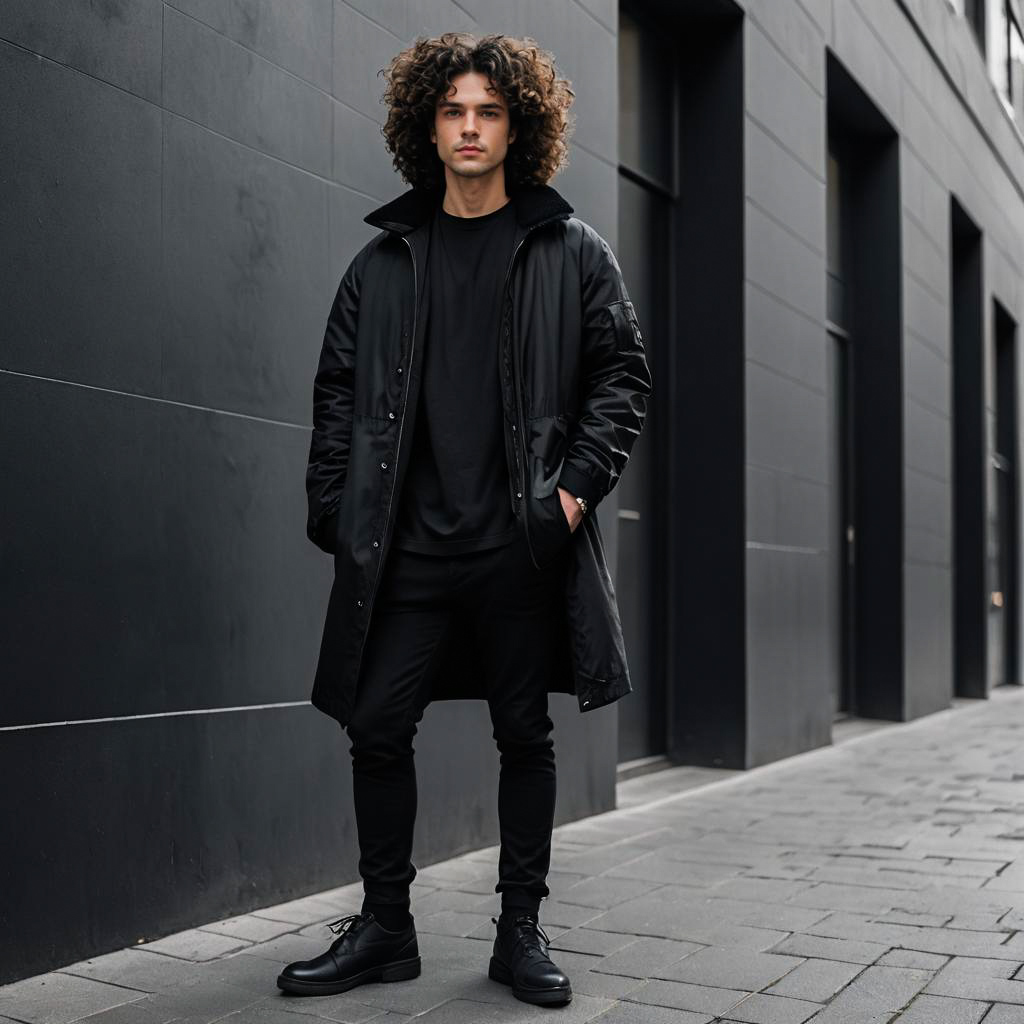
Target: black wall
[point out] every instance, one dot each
(184, 184)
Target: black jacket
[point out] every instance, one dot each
(575, 384)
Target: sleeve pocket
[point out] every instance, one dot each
(626, 325)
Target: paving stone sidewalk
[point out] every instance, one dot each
(875, 880)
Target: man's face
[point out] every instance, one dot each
(471, 129)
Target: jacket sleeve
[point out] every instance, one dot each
(332, 412)
(615, 381)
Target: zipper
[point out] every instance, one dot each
(516, 390)
(398, 444)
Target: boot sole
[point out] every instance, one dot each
(399, 970)
(497, 971)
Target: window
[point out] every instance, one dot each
(1015, 67)
(1008, 57)
(974, 12)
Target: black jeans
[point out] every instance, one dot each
(422, 602)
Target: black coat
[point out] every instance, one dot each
(575, 384)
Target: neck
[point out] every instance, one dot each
(474, 197)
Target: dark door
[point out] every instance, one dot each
(1003, 520)
(840, 354)
(645, 194)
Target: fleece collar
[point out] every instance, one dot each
(533, 204)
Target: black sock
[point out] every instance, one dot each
(394, 917)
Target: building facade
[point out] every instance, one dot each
(818, 206)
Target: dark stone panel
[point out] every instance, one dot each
(784, 509)
(928, 376)
(296, 35)
(789, 705)
(586, 184)
(80, 269)
(361, 49)
(787, 425)
(584, 55)
(784, 265)
(161, 563)
(141, 828)
(780, 337)
(224, 87)
(360, 159)
(145, 827)
(247, 285)
(606, 11)
(794, 33)
(243, 593)
(785, 102)
(432, 17)
(928, 442)
(389, 14)
(349, 232)
(117, 41)
(785, 188)
(928, 638)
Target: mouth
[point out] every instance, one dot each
(470, 149)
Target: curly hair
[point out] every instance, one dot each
(538, 102)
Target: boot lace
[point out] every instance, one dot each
(528, 932)
(344, 924)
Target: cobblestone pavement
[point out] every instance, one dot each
(875, 880)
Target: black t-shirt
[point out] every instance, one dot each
(455, 495)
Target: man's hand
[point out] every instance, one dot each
(571, 508)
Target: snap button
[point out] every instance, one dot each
(376, 544)
(383, 465)
(360, 603)
(519, 494)
(399, 370)
(391, 415)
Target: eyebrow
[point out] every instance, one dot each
(481, 106)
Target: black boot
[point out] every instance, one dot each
(363, 951)
(521, 960)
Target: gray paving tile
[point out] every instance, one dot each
(195, 944)
(684, 996)
(60, 998)
(133, 968)
(927, 1009)
(589, 940)
(606, 891)
(913, 958)
(642, 1013)
(1002, 1013)
(880, 990)
(816, 980)
(764, 1009)
(831, 949)
(729, 967)
(643, 957)
(249, 927)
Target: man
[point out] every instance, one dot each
(481, 383)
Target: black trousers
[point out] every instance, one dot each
(422, 602)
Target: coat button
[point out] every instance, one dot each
(383, 465)
(376, 544)
(391, 415)
(399, 370)
(359, 603)
(519, 494)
